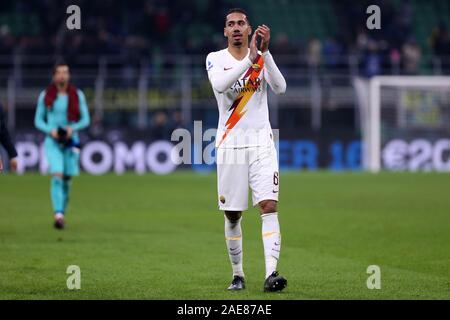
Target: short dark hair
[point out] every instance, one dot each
(59, 63)
(239, 10)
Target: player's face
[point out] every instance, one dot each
(61, 75)
(237, 29)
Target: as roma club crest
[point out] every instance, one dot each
(256, 67)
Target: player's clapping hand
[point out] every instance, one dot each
(69, 132)
(253, 47)
(54, 134)
(264, 32)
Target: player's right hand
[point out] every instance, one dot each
(54, 134)
(253, 47)
(69, 131)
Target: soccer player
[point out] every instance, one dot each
(61, 112)
(246, 154)
(5, 140)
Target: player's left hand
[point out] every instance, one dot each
(69, 131)
(13, 165)
(264, 32)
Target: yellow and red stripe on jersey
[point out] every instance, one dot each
(244, 96)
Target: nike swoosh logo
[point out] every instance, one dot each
(226, 69)
(274, 191)
(232, 249)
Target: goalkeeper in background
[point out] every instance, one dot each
(61, 112)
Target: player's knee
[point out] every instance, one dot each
(268, 206)
(233, 215)
(59, 175)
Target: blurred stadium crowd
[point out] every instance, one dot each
(322, 33)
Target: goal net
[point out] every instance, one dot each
(405, 122)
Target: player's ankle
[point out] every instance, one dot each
(59, 215)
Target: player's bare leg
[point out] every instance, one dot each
(272, 245)
(233, 237)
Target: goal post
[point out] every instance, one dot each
(405, 107)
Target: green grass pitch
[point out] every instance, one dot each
(161, 237)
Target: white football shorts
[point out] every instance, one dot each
(241, 168)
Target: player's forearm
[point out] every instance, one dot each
(80, 125)
(40, 123)
(274, 76)
(84, 114)
(5, 141)
(5, 138)
(226, 78)
(83, 122)
(42, 126)
(40, 118)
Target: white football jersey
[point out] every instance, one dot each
(240, 88)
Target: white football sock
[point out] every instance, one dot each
(233, 237)
(271, 240)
